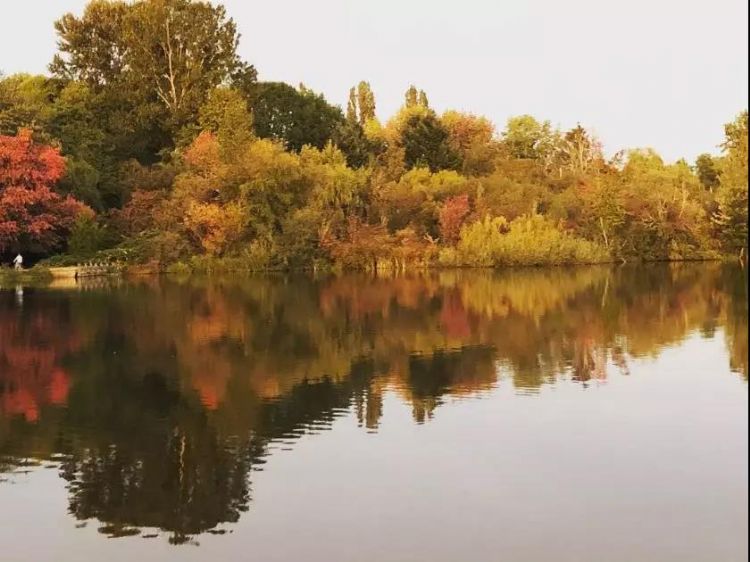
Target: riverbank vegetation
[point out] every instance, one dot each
(10, 276)
(152, 140)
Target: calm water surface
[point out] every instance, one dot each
(587, 414)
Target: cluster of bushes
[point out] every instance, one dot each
(526, 240)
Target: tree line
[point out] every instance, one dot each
(150, 139)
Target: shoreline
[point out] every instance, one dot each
(44, 275)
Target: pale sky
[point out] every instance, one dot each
(660, 73)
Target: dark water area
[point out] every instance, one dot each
(584, 414)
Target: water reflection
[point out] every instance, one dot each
(156, 399)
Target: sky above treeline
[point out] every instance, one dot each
(664, 74)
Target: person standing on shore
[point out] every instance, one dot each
(18, 262)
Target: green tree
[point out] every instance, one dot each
(25, 102)
(426, 143)
(226, 114)
(167, 54)
(708, 169)
(526, 138)
(296, 117)
(350, 135)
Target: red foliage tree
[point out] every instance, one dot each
(452, 216)
(143, 212)
(32, 216)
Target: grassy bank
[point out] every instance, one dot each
(491, 243)
(10, 276)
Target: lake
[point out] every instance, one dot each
(583, 414)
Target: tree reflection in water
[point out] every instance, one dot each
(158, 397)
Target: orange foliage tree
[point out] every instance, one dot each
(362, 248)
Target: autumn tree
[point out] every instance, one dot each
(32, 216)
(361, 104)
(363, 246)
(337, 192)
(414, 201)
(66, 114)
(731, 195)
(664, 215)
(452, 216)
(580, 152)
(414, 97)
(215, 227)
(472, 138)
(158, 59)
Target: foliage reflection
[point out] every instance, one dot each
(157, 398)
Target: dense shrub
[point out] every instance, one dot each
(88, 237)
(527, 240)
